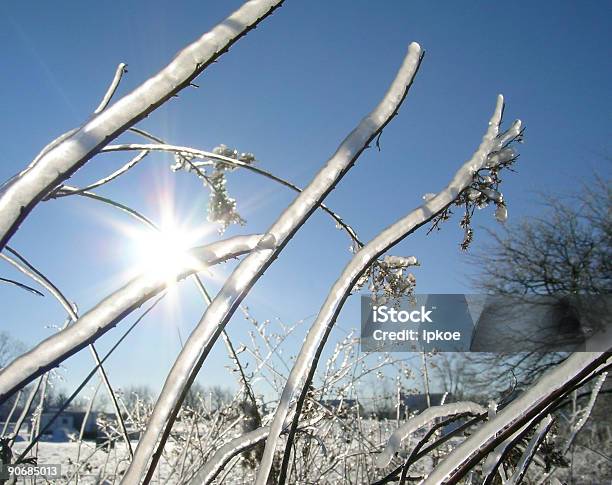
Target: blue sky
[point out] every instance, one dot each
(289, 92)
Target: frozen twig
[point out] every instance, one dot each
(119, 72)
(90, 195)
(212, 158)
(21, 285)
(225, 453)
(586, 412)
(64, 191)
(491, 465)
(530, 451)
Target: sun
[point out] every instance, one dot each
(165, 252)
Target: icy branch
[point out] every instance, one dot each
(251, 268)
(25, 267)
(57, 163)
(64, 190)
(106, 314)
(586, 412)
(119, 72)
(430, 414)
(491, 465)
(313, 346)
(530, 451)
(550, 386)
(226, 452)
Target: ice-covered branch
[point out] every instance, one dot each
(530, 451)
(491, 465)
(427, 416)
(586, 412)
(250, 270)
(119, 72)
(64, 190)
(68, 190)
(308, 357)
(57, 163)
(106, 314)
(550, 386)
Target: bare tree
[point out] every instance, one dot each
(10, 348)
(565, 251)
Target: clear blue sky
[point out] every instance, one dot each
(289, 92)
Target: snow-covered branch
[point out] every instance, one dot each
(106, 314)
(64, 156)
(248, 272)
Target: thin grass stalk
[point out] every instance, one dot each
(11, 412)
(84, 424)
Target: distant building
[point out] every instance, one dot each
(68, 424)
(418, 402)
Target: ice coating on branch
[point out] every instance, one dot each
(428, 196)
(268, 241)
(327, 177)
(223, 454)
(501, 213)
(493, 195)
(512, 133)
(426, 417)
(504, 155)
(224, 151)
